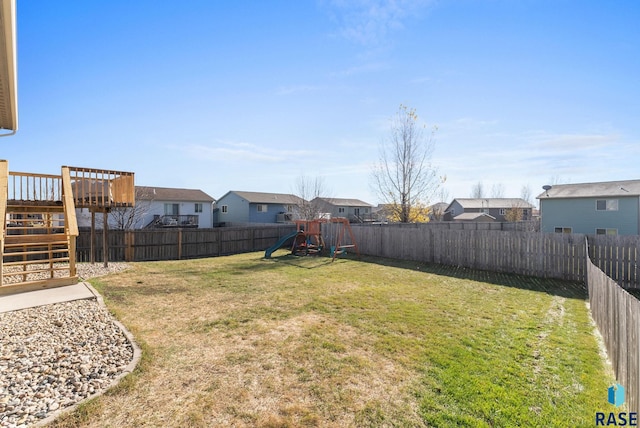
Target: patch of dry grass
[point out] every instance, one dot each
(288, 342)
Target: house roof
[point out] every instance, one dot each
(8, 74)
(474, 217)
(267, 198)
(343, 202)
(439, 206)
(170, 194)
(489, 203)
(590, 190)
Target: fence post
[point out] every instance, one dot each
(253, 239)
(105, 239)
(128, 241)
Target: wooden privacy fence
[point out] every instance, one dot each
(617, 257)
(526, 253)
(175, 244)
(546, 255)
(617, 315)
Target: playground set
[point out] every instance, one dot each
(309, 238)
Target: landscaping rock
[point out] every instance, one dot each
(54, 356)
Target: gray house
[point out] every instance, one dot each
(355, 210)
(611, 208)
(237, 207)
(495, 209)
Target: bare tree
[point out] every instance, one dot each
(515, 213)
(437, 210)
(404, 176)
(130, 218)
(497, 190)
(308, 189)
(477, 191)
(525, 193)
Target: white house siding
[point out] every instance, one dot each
(205, 218)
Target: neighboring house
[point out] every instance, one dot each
(475, 217)
(611, 208)
(237, 207)
(496, 208)
(158, 207)
(437, 210)
(355, 210)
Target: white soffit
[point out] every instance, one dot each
(8, 69)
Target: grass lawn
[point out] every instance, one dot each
(242, 341)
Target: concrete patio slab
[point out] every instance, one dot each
(48, 296)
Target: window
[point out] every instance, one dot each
(503, 211)
(607, 205)
(563, 230)
(341, 210)
(262, 208)
(606, 231)
(171, 209)
(225, 208)
(289, 208)
(198, 208)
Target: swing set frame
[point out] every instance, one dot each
(310, 237)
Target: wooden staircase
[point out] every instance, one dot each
(38, 234)
(38, 226)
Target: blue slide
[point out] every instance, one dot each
(280, 243)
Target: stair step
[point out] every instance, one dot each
(35, 239)
(35, 252)
(35, 271)
(36, 262)
(37, 285)
(39, 227)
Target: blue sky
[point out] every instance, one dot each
(250, 95)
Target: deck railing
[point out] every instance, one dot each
(101, 188)
(24, 187)
(189, 220)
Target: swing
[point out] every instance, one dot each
(338, 234)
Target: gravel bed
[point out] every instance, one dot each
(84, 271)
(54, 356)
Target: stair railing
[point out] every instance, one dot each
(71, 223)
(27, 187)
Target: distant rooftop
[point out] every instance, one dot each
(493, 203)
(590, 190)
(172, 194)
(268, 198)
(346, 202)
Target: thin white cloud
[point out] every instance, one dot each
(369, 22)
(424, 79)
(371, 67)
(242, 152)
(295, 89)
(529, 156)
(571, 142)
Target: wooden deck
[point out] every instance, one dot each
(39, 231)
